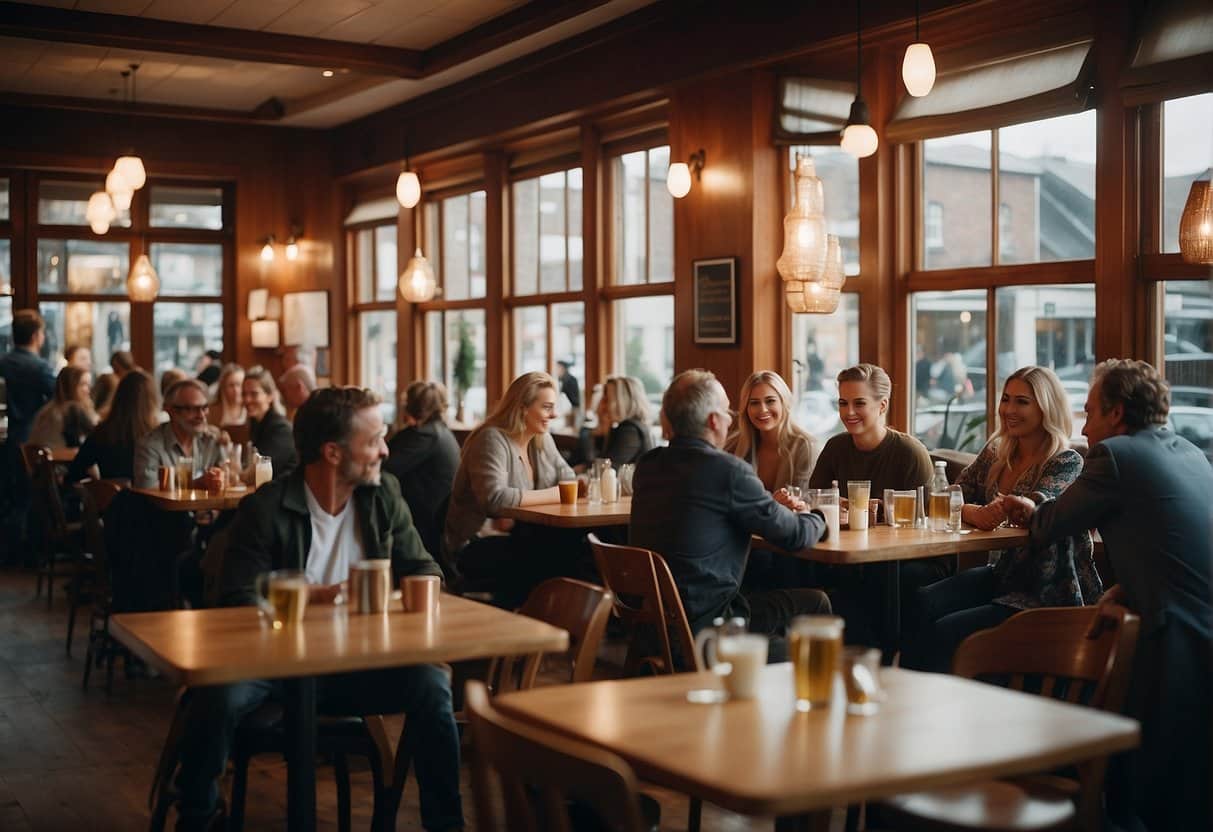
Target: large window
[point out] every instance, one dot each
(1188, 359)
(822, 346)
(644, 342)
(547, 233)
(455, 354)
(1187, 155)
(372, 257)
(455, 243)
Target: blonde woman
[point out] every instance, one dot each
(780, 451)
(227, 408)
(69, 417)
(1028, 455)
(623, 419)
(510, 460)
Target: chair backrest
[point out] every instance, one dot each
(647, 600)
(537, 773)
(95, 498)
(579, 607)
(44, 487)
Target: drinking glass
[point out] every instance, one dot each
(263, 472)
(827, 504)
(858, 492)
(815, 642)
(568, 491)
(793, 491)
(185, 473)
(905, 504)
(282, 596)
(861, 678)
(939, 510)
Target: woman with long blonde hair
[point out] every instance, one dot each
(1029, 455)
(69, 417)
(781, 451)
(227, 408)
(623, 420)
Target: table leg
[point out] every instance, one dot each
(301, 754)
(892, 624)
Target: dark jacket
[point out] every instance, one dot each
(424, 458)
(29, 384)
(697, 507)
(114, 461)
(273, 436)
(627, 442)
(273, 530)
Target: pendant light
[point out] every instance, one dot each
(143, 284)
(100, 212)
(1196, 224)
(408, 185)
(822, 297)
(803, 259)
(130, 167)
(119, 191)
(858, 137)
(918, 65)
(417, 281)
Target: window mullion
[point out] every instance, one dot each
(996, 200)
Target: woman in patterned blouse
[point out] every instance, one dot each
(1028, 454)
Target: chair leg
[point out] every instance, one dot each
(694, 814)
(341, 772)
(50, 581)
(71, 624)
(109, 666)
(404, 756)
(88, 657)
(235, 818)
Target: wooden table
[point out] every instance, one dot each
(762, 757)
(194, 499)
(207, 647)
(579, 515)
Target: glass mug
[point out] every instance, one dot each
(905, 507)
(861, 678)
(815, 642)
(185, 473)
(282, 596)
(734, 654)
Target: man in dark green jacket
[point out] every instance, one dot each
(337, 508)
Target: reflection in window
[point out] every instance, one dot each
(568, 342)
(956, 176)
(377, 340)
(644, 342)
(1188, 359)
(187, 268)
(547, 233)
(455, 351)
(184, 331)
(82, 267)
(839, 174)
(6, 323)
(6, 267)
(65, 203)
(643, 227)
(103, 327)
(933, 227)
(180, 207)
(1187, 155)
(822, 347)
(949, 371)
(1050, 326)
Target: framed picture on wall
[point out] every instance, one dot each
(715, 295)
(305, 319)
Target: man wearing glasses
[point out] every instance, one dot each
(184, 435)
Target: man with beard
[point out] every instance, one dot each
(337, 508)
(183, 436)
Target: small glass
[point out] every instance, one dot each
(861, 678)
(827, 504)
(956, 501)
(793, 491)
(858, 493)
(263, 471)
(905, 508)
(185, 473)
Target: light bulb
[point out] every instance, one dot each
(408, 189)
(678, 180)
(918, 69)
(267, 252)
(100, 209)
(119, 190)
(859, 140)
(417, 281)
(131, 169)
(143, 284)
(292, 250)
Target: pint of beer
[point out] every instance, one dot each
(815, 642)
(283, 597)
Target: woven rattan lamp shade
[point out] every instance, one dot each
(1196, 224)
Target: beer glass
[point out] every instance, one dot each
(939, 510)
(861, 678)
(185, 473)
(827, 504)
(568, 491)
(904, 506)
(282, 596)
(263, 470)
(815, 642)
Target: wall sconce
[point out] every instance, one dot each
(292, 243)
(265, 335)
(267, 250)
(1196, 224)
(678, 179)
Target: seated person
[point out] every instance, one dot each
(780, 451)
(424, 457)
(269, 431)
(871, 450)
(68, 418)
(227, 406)
(185, 434)
(697, 507)
(510, 460)
(296, 384)
(623, 421)
(1028, 454)
(316, 519)
(109, 451)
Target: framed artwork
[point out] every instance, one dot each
(305, 319)
(265, 335)
(258, 300)
(715, 293)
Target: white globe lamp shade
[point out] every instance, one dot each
(918, 69)
(678, 180)
(119, 190)
(131, 169)
(143, 284)
(99, 226)
(100, 208)
(417, 282)
(859, 140)
(408, 189)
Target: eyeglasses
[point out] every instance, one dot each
(191, 408)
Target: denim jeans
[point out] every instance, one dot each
(423, 692)
(948, 612)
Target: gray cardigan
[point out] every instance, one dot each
(491, 478)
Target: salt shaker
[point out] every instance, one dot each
(920, 509)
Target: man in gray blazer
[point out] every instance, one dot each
(1148, 491)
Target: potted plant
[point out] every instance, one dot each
(464, 368)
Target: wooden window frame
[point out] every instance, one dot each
(359, 307)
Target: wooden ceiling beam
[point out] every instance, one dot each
(145, 34)
(267, 111)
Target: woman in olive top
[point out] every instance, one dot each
(871, 450)
(269, 431)
(510, 460)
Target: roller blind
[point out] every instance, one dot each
(812, 110)
(1173, 56)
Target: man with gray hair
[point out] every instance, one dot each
(295, 385)
(697, 507)
(184, 435)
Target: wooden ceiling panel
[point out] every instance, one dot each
(186, 11)
(130, 7)
(369, 24)
(422, 32)
(251, 14)
(474, 12)
(311, 17)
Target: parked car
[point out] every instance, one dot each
(1194, 424)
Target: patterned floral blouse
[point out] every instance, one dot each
(1062, 575)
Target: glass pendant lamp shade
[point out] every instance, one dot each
(120, 192)
(130, 168)
(417, 282)
(678, 180)
(143, 284)
(804, 231)
(1196, 224)
(858, 137)
(100, 212)
(823, 297)
(99, 226)
(408, 189)
(918, 69)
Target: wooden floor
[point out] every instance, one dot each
(80, 760)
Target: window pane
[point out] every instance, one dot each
(526, 236)
(83, 266)
(183, 331)
(477, 246)
(455, 246)
(1187, 155)
(956, 177)
(6, 323)
(644, 343)
(530, 339)
(553, 273)
(4, 215)
(102, 327)
(435, 356)
(187, 269)
(568, 344)
(1050, 326)
(6, 267)
(839, 174)
(385, 262)
(1188, 362)
(573, 199)
(466, 337)
(629, 220)
(822, 347)
(661, 218)
(175, 207)
(949, 380)
(65, 203)
(364, 263)
(377, 334)
(1046, 189)
(433, 251)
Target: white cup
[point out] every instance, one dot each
(746, 654)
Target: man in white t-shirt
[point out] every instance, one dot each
(336, 508)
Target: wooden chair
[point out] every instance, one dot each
(538, 773)
(1082, 655)
(647, 601)
(59, 548)
(93, 581)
